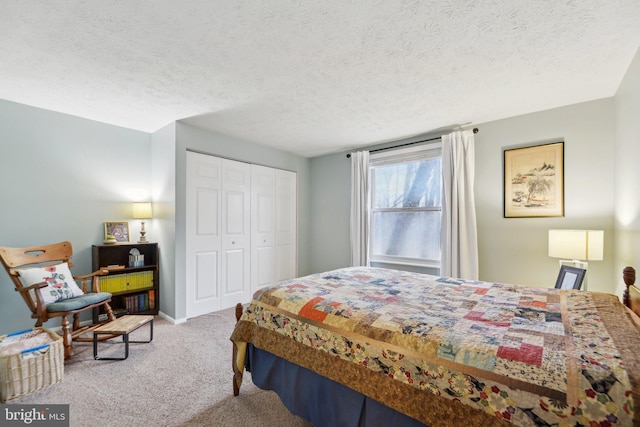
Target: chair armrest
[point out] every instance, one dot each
(94, 282)
(34, 287)
(100, 272)
(39, 302)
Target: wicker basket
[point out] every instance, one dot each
(32, 369)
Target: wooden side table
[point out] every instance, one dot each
(122, 326)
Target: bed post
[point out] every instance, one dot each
(239, 311)
(629, 276)
(236, 382)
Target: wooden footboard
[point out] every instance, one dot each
(631, 297)
(236, 376)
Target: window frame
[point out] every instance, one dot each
(403, 155)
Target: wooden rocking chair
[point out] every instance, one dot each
(18, 261)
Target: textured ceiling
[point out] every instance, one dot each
(312, 77)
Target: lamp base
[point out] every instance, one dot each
(143, 238)
(574, 263)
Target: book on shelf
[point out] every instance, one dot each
(152, 299)
(138, 302)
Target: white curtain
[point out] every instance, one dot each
(459, 235)
(360, 208)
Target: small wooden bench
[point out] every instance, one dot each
(122, 326)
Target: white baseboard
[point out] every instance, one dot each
(171, 319)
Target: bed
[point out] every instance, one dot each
(369, 346)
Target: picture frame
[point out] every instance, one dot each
(570, 277)
(118, 229)
(534, 181)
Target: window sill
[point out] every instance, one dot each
(407, 262)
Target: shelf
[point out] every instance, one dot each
(128, 269)
(133, 291)
(132, 301)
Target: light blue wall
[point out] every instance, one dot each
(61, 177)
(330, 204)
(627, 172)
(163, 225)
(330, 201)
(511, 250)
(515, 250)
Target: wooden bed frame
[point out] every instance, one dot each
(236, 380)
(631, 299)
(631, 296)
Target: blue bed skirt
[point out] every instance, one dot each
(321, 401)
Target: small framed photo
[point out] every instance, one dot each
(119, 230)
(534, 181)
(570, 277)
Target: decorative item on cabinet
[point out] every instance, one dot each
(142, 210)
(116, 232)
(133, 277)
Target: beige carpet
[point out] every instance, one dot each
(182, 378)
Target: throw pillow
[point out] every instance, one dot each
(60, 283)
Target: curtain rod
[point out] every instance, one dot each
(475, 130)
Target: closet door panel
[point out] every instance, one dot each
(206, 211)
(263, 250)
(264, 209)
(264, 273)
(203, 240)
(236, 234)
(234, 272)
(206, 274)
(286, 225)
(235, 213)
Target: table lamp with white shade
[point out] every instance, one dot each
(576, 247)
(142, 210)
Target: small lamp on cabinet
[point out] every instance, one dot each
(142, 210)
(577, 247)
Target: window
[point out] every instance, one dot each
(406, 206)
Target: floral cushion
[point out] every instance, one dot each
(59, 279)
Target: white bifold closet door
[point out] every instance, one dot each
(286, 225)
(241, 231)
(218, 233)
(273, 226)
(263, 226)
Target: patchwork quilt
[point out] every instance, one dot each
(446, 351)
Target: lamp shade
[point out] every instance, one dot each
(142, 210)
(584, 245)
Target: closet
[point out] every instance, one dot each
(241, 231)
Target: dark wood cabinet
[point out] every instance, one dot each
(133, 278)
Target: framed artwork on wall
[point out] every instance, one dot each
(119, 230)
(534, 181)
